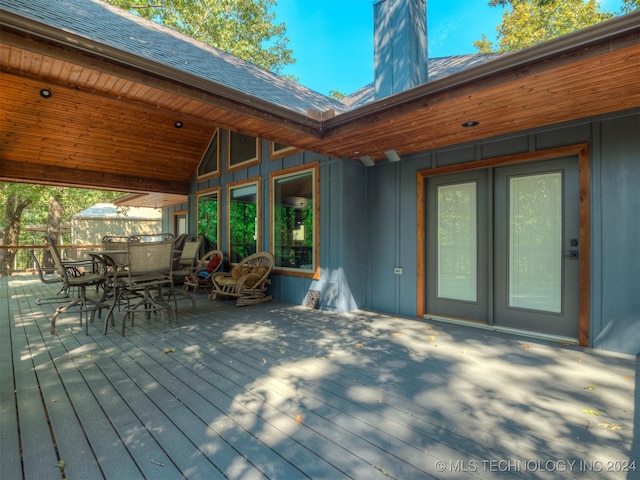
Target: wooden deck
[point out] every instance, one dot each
(282, 392)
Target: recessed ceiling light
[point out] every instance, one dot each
(46, 93)
(471, 123)
(178, 124)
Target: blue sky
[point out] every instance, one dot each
(332, 40)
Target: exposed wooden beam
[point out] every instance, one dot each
(70, 177)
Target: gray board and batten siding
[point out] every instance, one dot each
(368, 223)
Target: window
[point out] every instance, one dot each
(278, 150)
(243, 151)
(208, 213)
(210, 164)
(179, 222)
(244, 219)
(295, 219)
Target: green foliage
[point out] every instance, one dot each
(242, 230)
(529, 22)
(629, 6)
(36, 212)
(208, 218)
(336, 95)
(243, 28)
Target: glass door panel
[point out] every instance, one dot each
(457, 242)
(457, 232)
(535, 242)
(536, 221)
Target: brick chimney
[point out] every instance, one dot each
(400, 45)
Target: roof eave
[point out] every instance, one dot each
(599, 34)
(235, 100)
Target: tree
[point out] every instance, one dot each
(630, 5)
(16, 200)
(243, 28)
(528, 22)
(37, 205)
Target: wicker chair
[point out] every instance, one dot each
(247, 281)
(200, 279)
(96, 278)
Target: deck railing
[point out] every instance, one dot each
(23, 261)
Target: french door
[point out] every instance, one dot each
(502, 246)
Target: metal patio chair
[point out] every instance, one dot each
(185, 266)
(79, 280)
(149, 265)
(49, 276)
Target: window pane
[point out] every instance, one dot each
(535, 242)
(208, 217)
(180, 225)
(210, 162)
(277, 147)
(242, 148)
(293, 222)
(243, 232)
(457, 242)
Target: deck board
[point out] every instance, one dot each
(10, 466)
(276, 391)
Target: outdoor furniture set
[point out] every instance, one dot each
(139, 274)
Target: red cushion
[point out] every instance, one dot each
(213, 264)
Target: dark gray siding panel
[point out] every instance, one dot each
(568, 135)
(167, 217)
(338, 240)
(407, 234)
(355, 219)
(616, 233)
(505, 146)
(384, 226)
(464, 153)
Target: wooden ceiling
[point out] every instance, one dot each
(112, 125)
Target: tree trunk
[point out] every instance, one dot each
(53, 223)
(11, 234)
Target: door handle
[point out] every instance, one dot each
(573, 254)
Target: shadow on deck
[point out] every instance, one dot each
(279, 391)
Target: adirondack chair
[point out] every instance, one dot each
(200, 279)
(247, 281)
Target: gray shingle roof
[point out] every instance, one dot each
(438, 68)
(100, 22)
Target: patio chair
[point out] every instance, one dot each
(247, 281)
(71, 278)
(200, 279)
(186, 265)
(116, 242)
(63, 293)
(148, 272)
